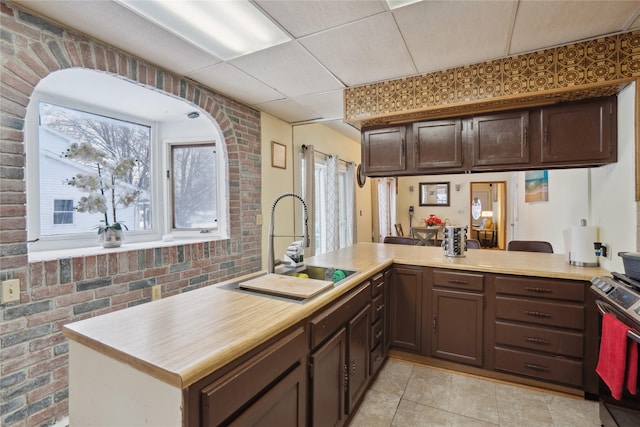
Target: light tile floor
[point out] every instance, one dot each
(407, 394)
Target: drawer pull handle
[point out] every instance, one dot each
(378, 335)
(539, 290)
(537, 313)
(380, 307)
(537, 340)
(458, 282)
(536, 367)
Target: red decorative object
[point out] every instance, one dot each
(433, 221)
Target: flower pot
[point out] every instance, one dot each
(111, 238)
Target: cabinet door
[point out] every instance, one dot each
(358, 350)
(500, 139)
(406, 308)
(457, 326)
(383, 150)
(578, 133)
(282, 406)
(437, 144)
(328, 373)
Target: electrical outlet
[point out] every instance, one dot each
(10, 290)
(156, 292)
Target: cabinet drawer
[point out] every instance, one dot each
(541, 312)
(377, 332)
(377, 308)
(377, 358)
(222, 398)
(377, 284)
(550, 368)
(330, 320)
(540, 288)
(542, 339)
(458, 280)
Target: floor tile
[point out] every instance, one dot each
(408, 394)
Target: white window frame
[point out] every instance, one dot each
(53, 213)
(222, 196)
(160, 191)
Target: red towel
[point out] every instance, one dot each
(613, 354)
(632, 367)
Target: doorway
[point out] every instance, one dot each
(488, 213)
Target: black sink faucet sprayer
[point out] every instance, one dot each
(270, 255)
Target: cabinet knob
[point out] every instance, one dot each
(537, 340)
(537, 313)
(538, 290)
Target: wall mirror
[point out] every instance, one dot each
(434, 194)
(488, 213)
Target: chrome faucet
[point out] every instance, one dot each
(307, 240)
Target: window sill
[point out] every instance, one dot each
(126, 247)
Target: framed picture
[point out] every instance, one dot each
(434, 194)
(536, 186)
(278, 155)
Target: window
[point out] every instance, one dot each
(121, 120)
(63, 212)
(193, 185)
(111, 140)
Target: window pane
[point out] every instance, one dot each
(194, 186)
(111, 141)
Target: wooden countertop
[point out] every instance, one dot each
(183, 338)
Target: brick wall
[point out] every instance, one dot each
(33, 351)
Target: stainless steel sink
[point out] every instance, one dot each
(319, 273)
(311, 271)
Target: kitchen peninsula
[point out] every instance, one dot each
(181, 360)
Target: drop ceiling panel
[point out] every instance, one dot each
(289, 69)
(301, 18)
(365, 51)
(237, 84)
(456, 33)
(289, 110)
(119, 27)
(563, 21)
(327, 105)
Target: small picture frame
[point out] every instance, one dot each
(278, 155)
(434, 194)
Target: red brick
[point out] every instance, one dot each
(48, 414)
(74, 55)
(90, 267)
(108, 291)
(128, 297)
(51, 272)
(128, 277)
(155, 272)
(78, 268)
(41, 368)
(103, 268)
(50, 316)
(87, 55)
(44, 54)
(52, 291)
(75, 298)
(30, 359)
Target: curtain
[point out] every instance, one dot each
(308, 193)
(386, 206)
(332, 195)
(350, 196)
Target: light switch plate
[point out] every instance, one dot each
(10, 290)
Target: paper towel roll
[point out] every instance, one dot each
(582, 252)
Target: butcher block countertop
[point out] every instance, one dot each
(182, 338)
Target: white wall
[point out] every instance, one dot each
(605, 196)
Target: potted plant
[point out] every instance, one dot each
(105, 194)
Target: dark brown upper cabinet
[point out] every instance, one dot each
(581, 133)
(384, 151)
(576, 134)
(437, 144)
(500, 139)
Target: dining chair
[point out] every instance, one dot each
(399, 231)
(473, 244)
(400, 240)
(530, 246)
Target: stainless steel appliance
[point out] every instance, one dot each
(620, 296)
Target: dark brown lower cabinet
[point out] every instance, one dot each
(406, 307)
(457, 326)
(328, 375)
(272, 385)
(358, 351)
(340, 352)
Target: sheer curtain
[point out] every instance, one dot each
(329, 191)
(386, 206)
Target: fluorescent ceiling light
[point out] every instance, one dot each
(225, 28)
(394, 4)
